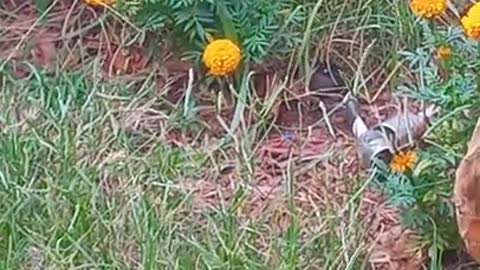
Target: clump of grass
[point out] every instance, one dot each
(80, 191)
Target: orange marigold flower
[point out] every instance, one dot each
(99, 2)
(471, 22)
(403, 161)
(428, 8)
(221, 57)
(444, 52)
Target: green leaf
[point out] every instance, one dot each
(227, 22)
(42, 7)
(241, 101)
(430, 196)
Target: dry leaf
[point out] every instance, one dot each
(44, 52)
(467, 196)
(391, 246)
(125, 61)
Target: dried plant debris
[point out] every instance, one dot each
(391, 247)
(467, 196)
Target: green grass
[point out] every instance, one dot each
(82, 187)
(78, 191)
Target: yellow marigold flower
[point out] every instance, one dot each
(444, 52)
(428, 8)
(99, 2)
(403, 161)
(221, 57)
(471, 22)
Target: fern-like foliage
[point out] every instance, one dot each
(452, 84)
(425, 199)
(260, 25)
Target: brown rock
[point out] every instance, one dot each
(467, 196)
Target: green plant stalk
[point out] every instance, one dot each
(226, 20)
(241, 100)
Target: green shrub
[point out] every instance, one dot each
(258, 25)
(452, 84)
